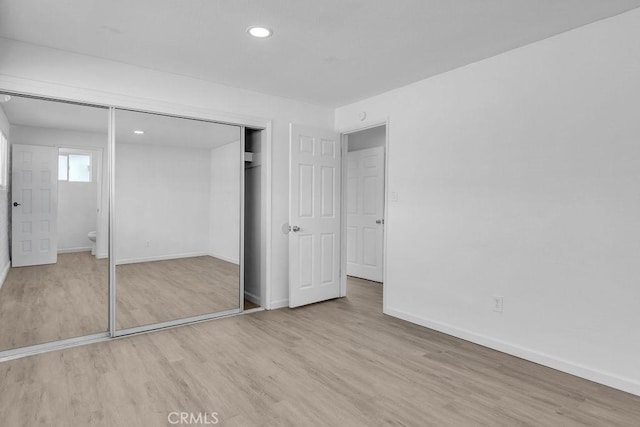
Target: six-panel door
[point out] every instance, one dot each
(314, 240)
(35, 205)
(365, 209)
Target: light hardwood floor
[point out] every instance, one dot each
(152, 292)
(337, 363)
(46, 303)
(68, 299)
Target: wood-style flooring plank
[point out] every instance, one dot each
(341, 362)
(44, 303)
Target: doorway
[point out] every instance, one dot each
(255, 225)
(364, 207)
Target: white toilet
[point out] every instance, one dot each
(92, 236)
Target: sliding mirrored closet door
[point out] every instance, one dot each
(177, 219)
(54, 221)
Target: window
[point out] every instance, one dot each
(74, 167)
(4, 160)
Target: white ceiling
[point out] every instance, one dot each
(328, 52)
(172, 131)
(22, 111)
(158, 129)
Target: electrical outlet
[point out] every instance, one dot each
(394, 196)
(148, 244)
(498, 303)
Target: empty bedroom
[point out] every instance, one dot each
(310, 213)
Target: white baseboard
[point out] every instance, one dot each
(225, 258)
(174, 256)
(567, 366)
(73, 250)
(4, 272)
(160, 258)
(253, 298)
(279, 304)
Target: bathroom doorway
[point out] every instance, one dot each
(80, 216)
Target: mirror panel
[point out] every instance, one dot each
(54, 224)
(177, 218)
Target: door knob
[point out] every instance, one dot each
(15, 204)
(380, 221)
(295, 228)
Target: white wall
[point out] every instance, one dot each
(224, 203)
(162, 202)
(76, 201)
(55, 73)
(4, 206)
(518, 176)
(368, 138)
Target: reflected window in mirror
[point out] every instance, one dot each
(74, 166)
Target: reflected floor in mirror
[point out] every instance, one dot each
(158, 291)
(45, 303)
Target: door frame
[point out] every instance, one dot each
(112, 101)
(100, 178)
(344, 146)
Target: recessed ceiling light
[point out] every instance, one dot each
(259, 32)
(138, 132)
(5, 98)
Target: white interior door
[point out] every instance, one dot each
(314, 215)
(365, 209)
(34, 187)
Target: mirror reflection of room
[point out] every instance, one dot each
(53, 228)
(177, 218)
